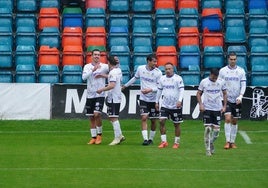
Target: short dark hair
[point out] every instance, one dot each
(169, 63)
(112, 60)
(231, 54)
(214, 71)
(151, 57)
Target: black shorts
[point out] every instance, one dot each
(113, 109)
(94, 105)
(148, 108)
(234, 109)
(212, 117)
(174, 114)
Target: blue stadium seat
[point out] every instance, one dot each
(211, 19)
(6, 36)
(25, 36)
(238, 4)
(241, 55)
(48, 74)
(258, 37)
(72, 74)
(259, 78)
(188, 17)
(6, 76)
(49, 36)
(25, 74)
(118, 36)
(142, 36)
(25, 55)
(258, 18)
(118, 5)
(253, 4)
(6, 59)
(7, 4)
(27, 5)
(191, 76)
(141, 6)
(234, 17)
(6, 18)
(122, 52)
(165, 17)
(119, 20)
(165, 36)
(142, 20)
(211, 4)
(258, 56)
(95, 17)
(72, 17)
(235, 35)
(50, 4)
(189, 55)
(213, 57)
(23, 19)
(139, 55)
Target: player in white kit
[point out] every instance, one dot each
(213, 91)
(114, 98)
(170, 90)
(95, 73)
(149, 76)
(235, 80)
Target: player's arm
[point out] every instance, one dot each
(199, 100)
(110, 86)
(224, 93)
(181, 93)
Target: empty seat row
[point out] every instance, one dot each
(45, 74)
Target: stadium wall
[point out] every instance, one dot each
(65, 101)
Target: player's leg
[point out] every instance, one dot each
(89, 108)
(236, 112)
(113, 114)
(162, 121)
(207, 131)
(153, 115)
(144, 112)
(176, 117)
(98, 119)
(227, 126)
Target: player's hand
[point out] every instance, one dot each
(146, 90)
(239, 99)
(201, 108)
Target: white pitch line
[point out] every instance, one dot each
(134, 169)
(245, 137)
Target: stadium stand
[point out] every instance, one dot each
(49, 74)
(229, 25)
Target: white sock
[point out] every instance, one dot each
(227, 130)
(117, 128)
(99, 129)
(177, 140)
(163, 137)
(144, 134)
(207, 136)
(152, 134)
(233, 133)
(93, 132)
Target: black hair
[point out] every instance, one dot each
(112, 60)
(151, 57)
(214, 71)
(231, 54)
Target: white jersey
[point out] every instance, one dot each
(114, 95)
(93, 84)
(235, 80)
(171, 89)
(148, 79)
(212, 93)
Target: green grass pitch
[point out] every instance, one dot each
(54, 153)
